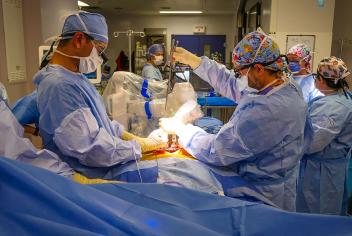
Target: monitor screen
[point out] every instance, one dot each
(182, 73)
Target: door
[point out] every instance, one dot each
(212, 46)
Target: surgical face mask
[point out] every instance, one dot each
(90, 64)
(158, 60)
(244, 79)
(87, 64)
(294, 67)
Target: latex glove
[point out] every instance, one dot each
(147, 144)
(160, 135)
(186, 57)
(172, 125)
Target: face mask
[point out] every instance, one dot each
(245, 79)
(87, 64)
(158, 60)
(294, 67)
(90, 64)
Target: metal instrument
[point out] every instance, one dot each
(171, 65)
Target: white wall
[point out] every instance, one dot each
(53, 13)
(342, 35)
(303, 17)
(215, 25)
(342, 31)
(32, 38)
(40, 20)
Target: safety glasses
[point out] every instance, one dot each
(100, 46)
(317, 75)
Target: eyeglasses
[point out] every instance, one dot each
(315, 76)
(100, 46)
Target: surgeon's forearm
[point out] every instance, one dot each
(92, 145)
(219, 77)
(199, 144)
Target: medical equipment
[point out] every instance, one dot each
(138, 104)
(171, 64)
(129, 34)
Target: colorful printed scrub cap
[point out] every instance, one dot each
(257, 48)
(302, 51)
(333, 68)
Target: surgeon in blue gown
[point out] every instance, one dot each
(14, 146)
(323, 173)
(73, 121)
(300, 60)
(25, 109)
(155, 58)
(265, 137)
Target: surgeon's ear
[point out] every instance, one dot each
(259, 69)
(78, 40)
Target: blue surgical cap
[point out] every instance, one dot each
(92, 24)
(155, 48)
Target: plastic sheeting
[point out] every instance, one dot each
(138, 103)
(36, 202)
(135, 102)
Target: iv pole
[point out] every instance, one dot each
(129, 34)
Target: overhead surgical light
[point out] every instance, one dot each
(180, 12)
(82, 4)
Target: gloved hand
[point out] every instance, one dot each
(172, 125)
(186, 57)
(160, 135)
(189, 112)
(147, 144)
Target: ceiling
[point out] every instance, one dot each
(152, 7)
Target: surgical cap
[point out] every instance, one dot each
(302, 51)
(155, 48)
(333, 68)
(92, 24)
(257, 48)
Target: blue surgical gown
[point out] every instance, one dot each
(151, 72)
(306, 82)
(322, 180)
(14, 146)
(74, 124)
(25, 109)
(263, 141)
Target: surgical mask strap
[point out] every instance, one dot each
(327, 90)
(64, 54)
(248, 71)
(268, 85)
